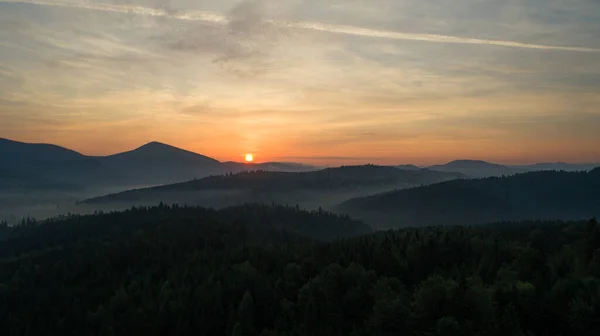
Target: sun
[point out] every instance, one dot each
(249, 157)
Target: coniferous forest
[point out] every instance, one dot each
(272, 270)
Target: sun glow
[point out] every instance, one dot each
(249, 158)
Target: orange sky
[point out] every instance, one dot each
(326, 83)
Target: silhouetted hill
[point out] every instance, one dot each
(27, 166)
(476, 168)
(156, 151)
(45, 180)
(158, 163)
(408, 167)
(31, 152)
(559, 166)
(534, 195)
(237, 167)
(319, 187)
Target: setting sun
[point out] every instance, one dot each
(249, 158)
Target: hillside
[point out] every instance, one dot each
(157, 163)
(318, 188)
(534, 195)
(559, 166)
(17, 151)
(46, 180)
(480, 169)
(408, 167)
(238, 167)
(29, 166)
(477, 168)
(192, 271)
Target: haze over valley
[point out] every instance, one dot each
(41, 180)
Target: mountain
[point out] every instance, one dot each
(533, 195)
(312, 189)
(408, 167)
(15, 151)
(237, 167)
(158, 163)
(26, 166)
(45, 180)
(479, 169)
(30, 165)
(476, 168)
(559, 166)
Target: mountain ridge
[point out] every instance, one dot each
(283, 187)
(155, 148)
(525, 196)
(157, 163)
(20, 151)
(153, 163)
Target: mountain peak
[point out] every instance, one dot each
(155, 144)
(160, 148)
(469, 161)
(408, 167)
(160, 151)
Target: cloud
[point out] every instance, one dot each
(129, 9)
(244, 44)
(246, 15)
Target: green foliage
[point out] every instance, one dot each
(181, 271)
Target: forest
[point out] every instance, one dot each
(265, 182)
(273, 270)
(533, 195)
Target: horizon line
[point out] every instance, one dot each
(309, 158)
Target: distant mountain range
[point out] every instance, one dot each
(311, 189)
(474, 168)
(35, 166)
(478, 169)
(27, 166)
(408, 167)
(44, 179)
(532, 195)
(559, 166)
(237, 167)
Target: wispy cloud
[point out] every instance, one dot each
(128, 9)
(315, 26)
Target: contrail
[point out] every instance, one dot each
(128, 9)
(349, 30)
(336, 29)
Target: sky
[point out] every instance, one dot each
(316, 81)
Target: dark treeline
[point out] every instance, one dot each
(181, 271)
